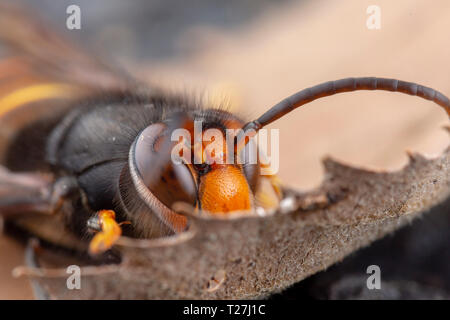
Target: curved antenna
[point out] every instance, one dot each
(346, 85)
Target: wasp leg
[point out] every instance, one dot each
(269, 193)
(31, 261)
(109, 231)
(275, 182)
(32, 192)
(315, 200)
(20, 192)
(289, 200)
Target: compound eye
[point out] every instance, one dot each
(168, 181)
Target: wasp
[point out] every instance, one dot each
(85, 146)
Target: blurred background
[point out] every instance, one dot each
(255, 53)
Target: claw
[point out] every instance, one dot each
(110, 232)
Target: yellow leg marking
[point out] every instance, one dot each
(276, 185)
(109, 234)
(275, 182)
(269, 193)
(33, 93)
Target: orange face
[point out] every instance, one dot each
(224, 189)
(207, 177)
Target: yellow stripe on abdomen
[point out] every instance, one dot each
(33, 93)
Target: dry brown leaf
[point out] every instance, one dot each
(254, 257)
